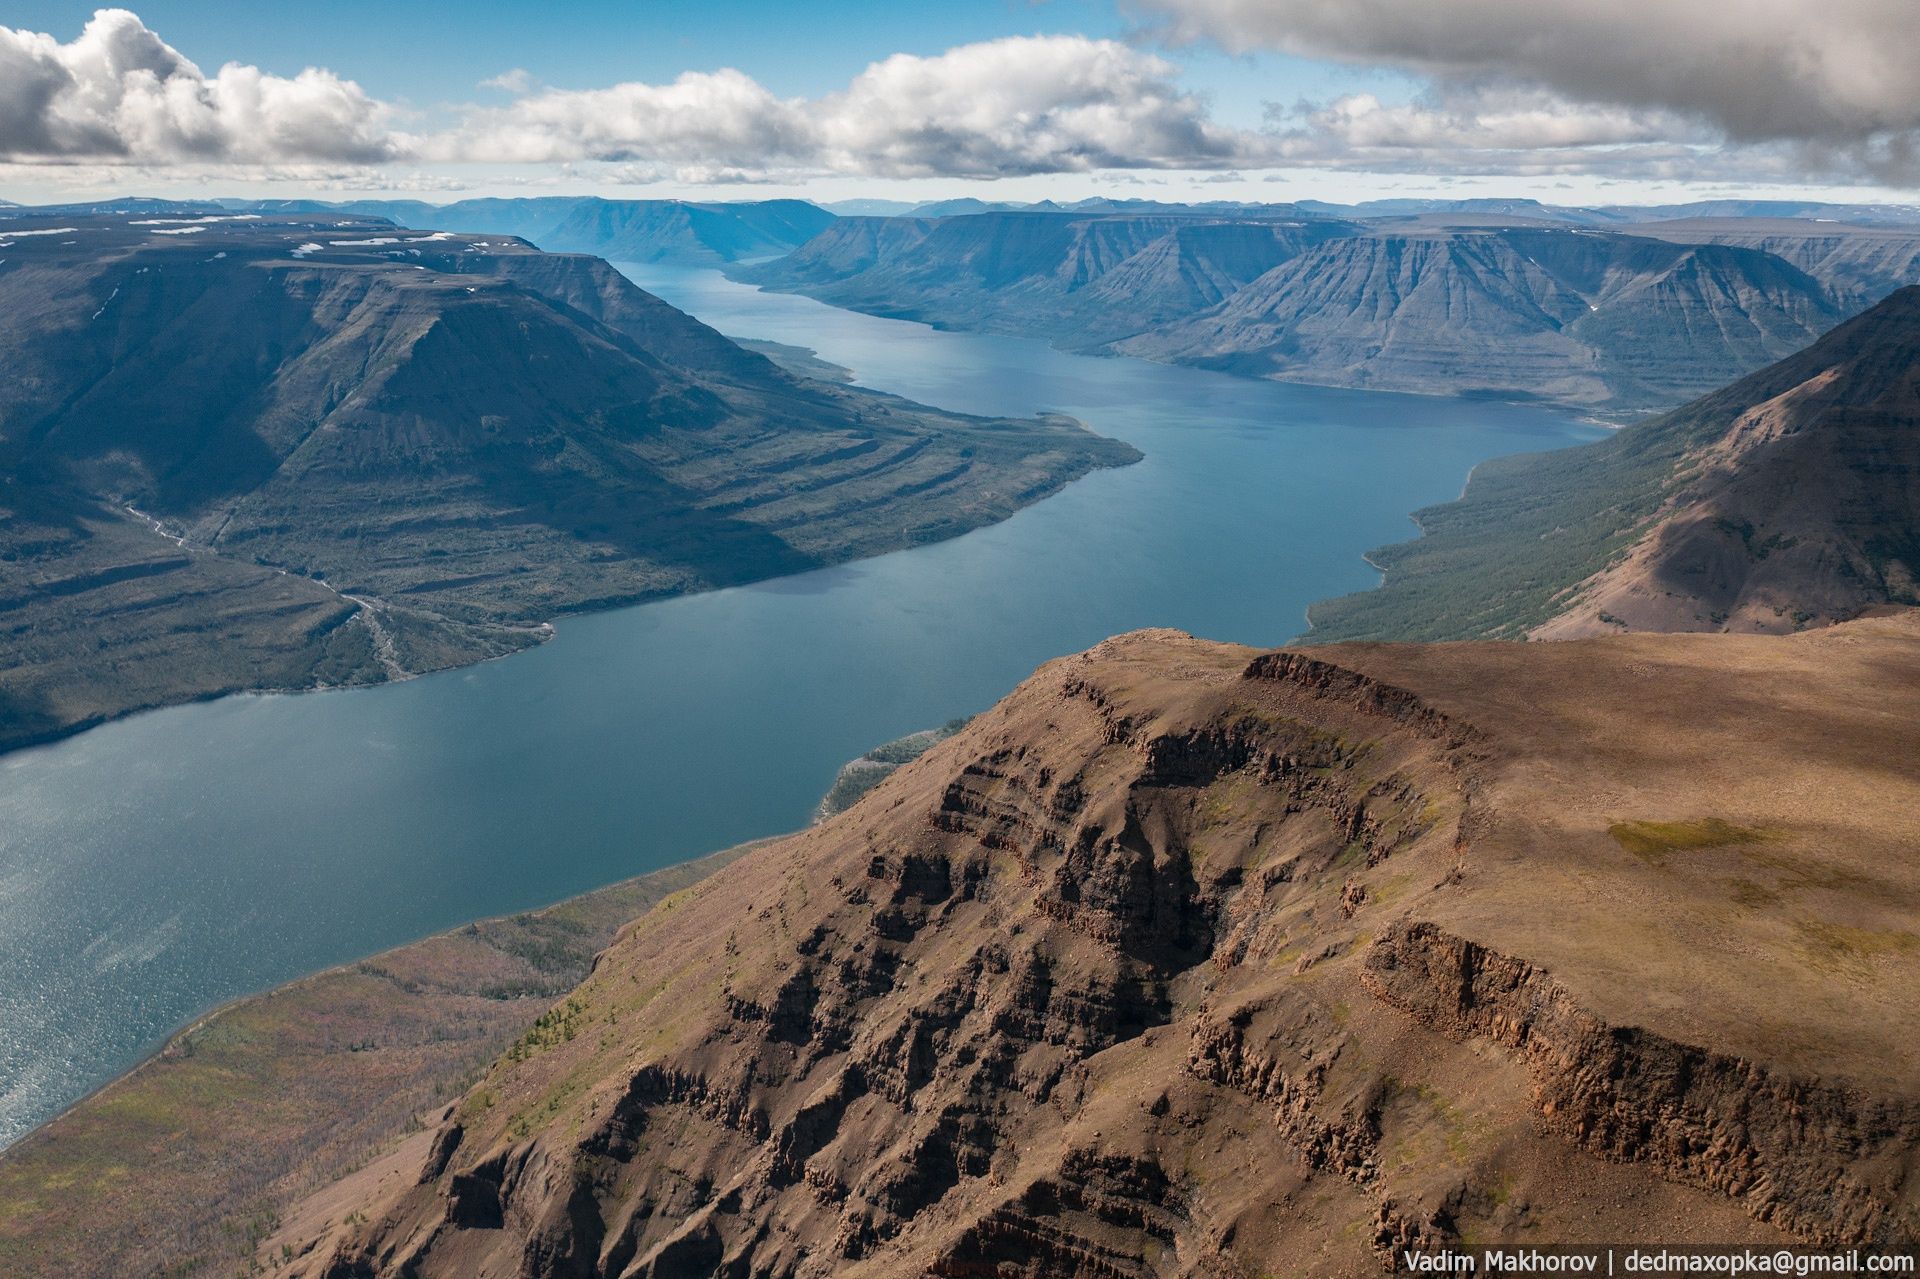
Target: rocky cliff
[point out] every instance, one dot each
(1188, 960)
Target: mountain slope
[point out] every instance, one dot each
(419, 447)
(1790, 498)
(1502, 306)
(1185, 959)
(1078, 279)
(1567, 315)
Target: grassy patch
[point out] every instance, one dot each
(1654, 842)
(1837, 946)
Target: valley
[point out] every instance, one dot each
(641, 737)
(1208, 851)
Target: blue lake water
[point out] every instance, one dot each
(157, 866)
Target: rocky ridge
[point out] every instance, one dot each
(1186, 959)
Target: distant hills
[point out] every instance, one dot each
(1479, 300)
(1790, 499)
(622, 230)
(246, 451)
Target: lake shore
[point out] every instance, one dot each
(182, 1162)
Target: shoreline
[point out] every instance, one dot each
(307, 1076)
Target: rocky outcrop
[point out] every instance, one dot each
(1145, 973)
(1829, 1163)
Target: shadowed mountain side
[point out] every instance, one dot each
(451, 439)
(1789, 499)
(1185, 951)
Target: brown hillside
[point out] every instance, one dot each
(1187, 960)
(1805, 507)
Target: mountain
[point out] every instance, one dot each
(1187, 958)
(623, 230)
(1858, 264)
(1081, 280)
(1484, 300)
(247, 452)
(1567, 315)
(1786, 500)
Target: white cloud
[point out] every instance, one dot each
(1022, 105)
(1019, 105)
(517, 81)
(118, 92)
(1830, 83)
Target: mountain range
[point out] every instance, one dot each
(621, 230)
(250, 452)
(1470, 303)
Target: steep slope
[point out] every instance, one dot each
(1187, 960)
(1572, 316)
(1079, 279)
(1441, 304)
(1789, 499)
(406, 450)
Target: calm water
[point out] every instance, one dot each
(157, 866)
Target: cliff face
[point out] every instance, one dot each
(258, 453)
(1185, 959)
(1786, 500)
(1569, 315)
(1080, 280)
(1577, 315)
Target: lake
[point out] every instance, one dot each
(154, 867)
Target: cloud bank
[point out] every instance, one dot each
(1756, 90)
(118, 93)
(1020, 105)
(1768, 85)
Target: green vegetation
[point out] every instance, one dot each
(296, 1087)
(858, 776)
(1653, 842)
(1530, 528)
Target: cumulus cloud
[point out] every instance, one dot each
(1020, 105)
(118, 92)
(1039, 104)
(1831, 83)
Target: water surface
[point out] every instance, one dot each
(157, 866)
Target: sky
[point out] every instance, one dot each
(1569, 101)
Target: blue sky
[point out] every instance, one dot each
(1247, 99)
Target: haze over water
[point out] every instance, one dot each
(155, 867)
